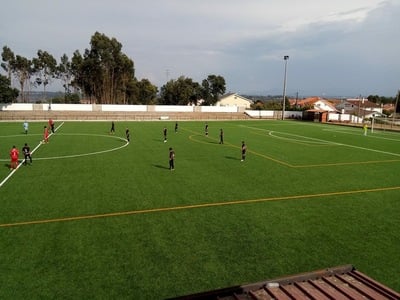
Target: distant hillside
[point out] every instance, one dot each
(264, 98)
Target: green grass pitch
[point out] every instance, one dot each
(96, 217)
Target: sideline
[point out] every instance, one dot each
(22, 161)
(203, 205)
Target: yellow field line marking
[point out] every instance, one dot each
(323, 143)
(191, 137)
(203, 205)
(347, 163)
(328, 164)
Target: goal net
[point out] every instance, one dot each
(386, 123)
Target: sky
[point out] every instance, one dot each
(338, 48)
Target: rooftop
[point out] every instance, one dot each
(343, 282)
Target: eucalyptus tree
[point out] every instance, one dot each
(64, 73)
(125, 74)
(79, 80)
(102, 53)
(8, 58)
(103, 72)
(22, 70)
(18, 67)
(44, 66)
(7, 93)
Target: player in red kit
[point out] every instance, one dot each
(14, 154)
(51, 125)
(46, 135)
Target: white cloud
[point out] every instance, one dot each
(334, 46)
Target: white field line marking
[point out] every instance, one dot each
(370, 135)
(18, 135)
(66, 156)
(40, 143)
(20, 163)
(84, 154)
(302, 139)
(91, 153)
(329, 142)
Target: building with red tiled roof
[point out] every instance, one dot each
(306, 102)
(315, 104)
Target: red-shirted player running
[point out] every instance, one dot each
(14, 154)
(46, 135)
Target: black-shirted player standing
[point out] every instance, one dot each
(165, 134)
(171, 159)
(244, 149)
(27, 153)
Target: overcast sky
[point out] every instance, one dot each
(342, 48)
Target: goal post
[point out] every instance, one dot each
(385, 123)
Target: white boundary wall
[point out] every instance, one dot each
(260, 113)
(16, 107)
(112, 107)
(115, 108)
(173, 108)
(166, 108)
(334, 117)
(67, 107)
(227, 109)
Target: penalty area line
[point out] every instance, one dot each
(203, 205)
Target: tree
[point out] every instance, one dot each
(18, 66)
(213, 88)
(81, 72)
(380, 99)
(141, 92)
(22, 69)
(8, 58)
(257, 105)
(44, 67)
(64, 73)
(7, 93)
(126, 74)
(182, 91)
(104, 71)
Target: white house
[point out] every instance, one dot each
(358, 106)
(234, 99)
(324, 105)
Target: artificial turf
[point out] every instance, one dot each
(95, 217)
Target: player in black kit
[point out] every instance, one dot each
(27, 153)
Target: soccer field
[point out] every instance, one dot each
(97, 217)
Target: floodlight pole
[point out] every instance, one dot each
(395, 107)
(285, 58)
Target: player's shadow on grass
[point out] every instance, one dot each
(232, 157)
(211, 141)
(161, 167)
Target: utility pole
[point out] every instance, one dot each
(359, 108)
(285, 58)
